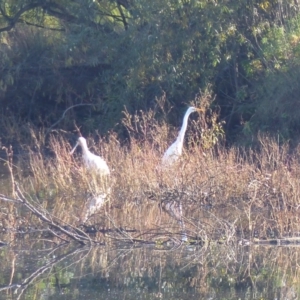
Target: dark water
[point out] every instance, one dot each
(32, 269)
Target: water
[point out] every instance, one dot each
(40, 266)
(39, 270)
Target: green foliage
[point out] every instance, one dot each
(126, 54)
(276, 95)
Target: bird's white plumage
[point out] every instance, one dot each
(175, 150)
(95, 203)
(91, 160)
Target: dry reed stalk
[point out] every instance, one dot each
(221, 190)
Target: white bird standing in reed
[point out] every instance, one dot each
(175, 150)
(91, 161)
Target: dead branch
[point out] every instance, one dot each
(27, 281)
(69, 230)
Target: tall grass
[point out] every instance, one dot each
(225, 193)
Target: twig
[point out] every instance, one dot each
(27, 281)
(9, 155)
(70, 231)
(77, 128)
(64, 113)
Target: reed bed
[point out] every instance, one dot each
(225, 194)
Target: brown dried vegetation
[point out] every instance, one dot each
(224, 194)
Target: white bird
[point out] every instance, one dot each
(91, 160)
(94, 203)
(175, 150)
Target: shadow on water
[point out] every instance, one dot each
(39, 270)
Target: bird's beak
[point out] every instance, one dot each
(72, 151)
(200, 110)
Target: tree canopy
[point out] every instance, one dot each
(115, 54)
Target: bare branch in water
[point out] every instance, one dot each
(69, 230)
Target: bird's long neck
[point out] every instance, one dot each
(183, 128)
(85, 149)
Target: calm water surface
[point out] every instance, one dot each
(37, 270)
